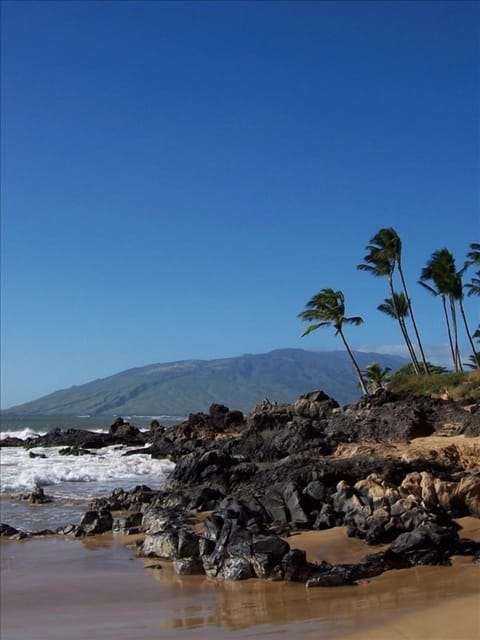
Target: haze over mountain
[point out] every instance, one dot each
(179, 388)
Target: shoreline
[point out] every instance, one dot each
(58, 589)
(276, 494)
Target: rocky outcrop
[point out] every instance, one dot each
(295, 466)
(37, 496)
(382, 468)
(11, 441)
(80, 439)
(6, 531)
(236, 543)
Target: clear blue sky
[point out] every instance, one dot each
(179, 178)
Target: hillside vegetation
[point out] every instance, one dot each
(460, 386)
(188, 386)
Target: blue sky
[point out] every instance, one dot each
(178, 179)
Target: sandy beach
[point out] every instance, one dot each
(96, 588)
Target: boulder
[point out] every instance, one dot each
(428, 543)
(295, 567)
(316, 405)
(74, 451)
(128, 524)
(95, 522)
(37, 496)
(188, 566)
(197, 467)
(283, 502)
(270, 545)
(6, 531)
(237, 568)
(162, 544)
(11, 441)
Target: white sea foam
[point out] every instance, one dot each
(162, 417)
(20, 472)
(32, 433)
(23, 433)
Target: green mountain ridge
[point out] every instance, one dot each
(187, 386)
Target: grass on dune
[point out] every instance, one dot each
(461, 386)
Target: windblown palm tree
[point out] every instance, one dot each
(458, 295)
(327, 309)
(376, 377)
(473, 287)
(474, 359)
(384, 255)
(473, 256)
(449, 280)
(397, 307)
(441, 272)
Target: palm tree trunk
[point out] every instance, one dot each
(469, 335)
(414, 324)
(355, 364)
(449, 331)
(458, 360)
(404, 331)
(409, 344)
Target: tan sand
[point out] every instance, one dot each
(470, 528)
(331, 545)
(455, 620)
(95, 589)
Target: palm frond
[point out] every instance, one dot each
(473, 256)
(388, 309)
(380, 269)
(396, 307)
(473, 361)
(429, 288)
(473, 287)
(355, 320)
(314, 327)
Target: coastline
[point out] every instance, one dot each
(391, 486)
(58, 589)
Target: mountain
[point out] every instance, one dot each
(188, 386)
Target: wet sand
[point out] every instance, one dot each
(95, 589)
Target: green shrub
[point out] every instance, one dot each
(457, 386)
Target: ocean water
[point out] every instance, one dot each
(31, 425)
(71, 481)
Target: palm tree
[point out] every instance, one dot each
(474, 359)
(375, 376)
(473, 287)
(457, 293)
(473, 256)
(396, 245)
(441, 272)
(384, 254)
(449, 280)
(397, 307)
(327, 309)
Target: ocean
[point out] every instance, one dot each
(71, 481)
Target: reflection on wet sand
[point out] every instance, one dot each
(255, 603)
(58, 589)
